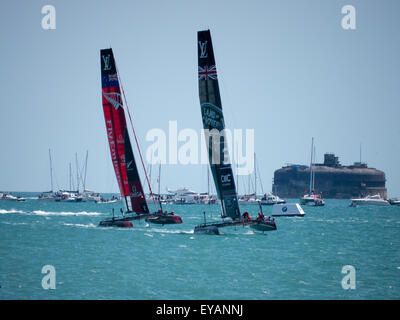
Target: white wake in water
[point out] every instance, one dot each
(79, 225)
(2, 211)
(62, 213)
(159, 230)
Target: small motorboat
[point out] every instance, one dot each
(249, 199)
(9, 197)
(394, 201)
(271, 199)
(375, 200)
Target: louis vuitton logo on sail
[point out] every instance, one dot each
(106, 60)
(203, 49)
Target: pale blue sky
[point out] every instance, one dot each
(286, 69)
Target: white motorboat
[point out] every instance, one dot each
(183, 196)
(394, 201)
(10, 197)
(271, 199)
(68, 196)
(47, 196)
(113, 199)
(91, 196)
(249, 200)
(375, 200)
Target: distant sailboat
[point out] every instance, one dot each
(212, 116)
(312, 198)
(251, 198)
(49, 195)
(122, 156)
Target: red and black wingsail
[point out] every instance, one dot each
(120, 147)
(139, 204)
(213, 120)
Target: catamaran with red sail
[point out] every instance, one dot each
(122, 156)
(213, 120)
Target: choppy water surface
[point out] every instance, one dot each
(303, 259)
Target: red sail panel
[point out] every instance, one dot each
(114, 116)
(118, 137)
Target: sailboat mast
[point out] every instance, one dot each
(255, 177)
(70, 177)
(159, 177)
(237, 169)
(249, 178)
(84, 179)
(159, 185)
(51, 172)
(77, 172)
(311, 161)
(258, 168)
(151, 166)
(313, 172)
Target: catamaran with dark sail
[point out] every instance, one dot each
(122, 155)
(213, 124)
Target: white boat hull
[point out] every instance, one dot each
(370, 203)
(375, 200)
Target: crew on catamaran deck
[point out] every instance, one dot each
(246, 216)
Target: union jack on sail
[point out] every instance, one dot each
(113, 77)
(208, 73)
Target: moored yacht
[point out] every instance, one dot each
(375, 200)
(312, 199)
(249, 199)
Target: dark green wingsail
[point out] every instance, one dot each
(213, 122)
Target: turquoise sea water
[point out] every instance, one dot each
(303, 259)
